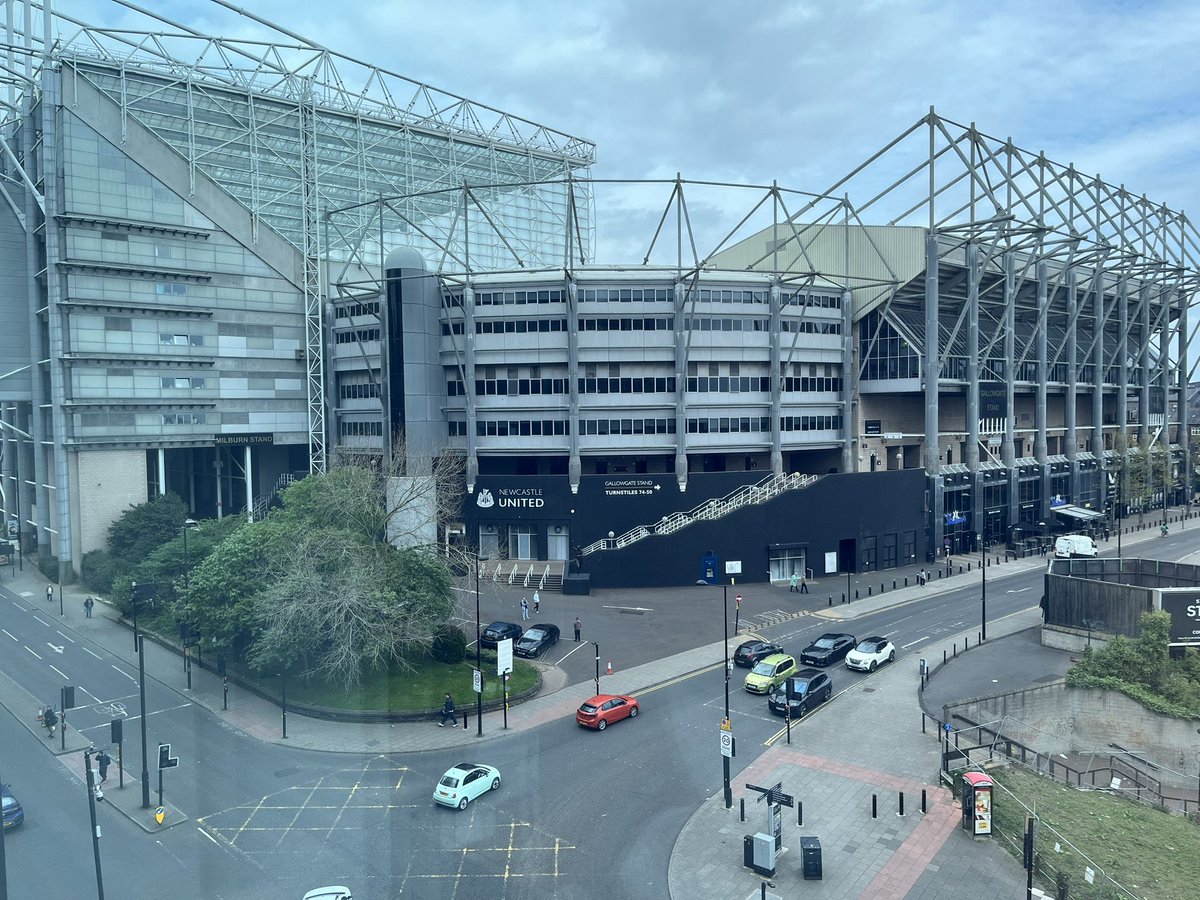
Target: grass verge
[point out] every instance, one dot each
(1150, 852)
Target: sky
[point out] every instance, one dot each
(793, 92)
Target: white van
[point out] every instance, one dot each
(1074, 545)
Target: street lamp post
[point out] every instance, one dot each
(187, 525)
(725, 644)
(479, 561)
(141, 642)
(982, 589)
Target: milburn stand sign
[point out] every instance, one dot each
(1183, 606)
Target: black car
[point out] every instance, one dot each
(827, 649)
(497, 632)
(809, 689)
(751, 653)
(536, 640)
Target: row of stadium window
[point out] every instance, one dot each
(715, 425)
(723, 384)
(638, 295)
(667, 323)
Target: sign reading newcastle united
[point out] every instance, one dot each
(510, 498)
(1183, 606)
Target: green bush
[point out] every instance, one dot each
(449, 645)
(141, 529)
(96, 571)
(49, 567)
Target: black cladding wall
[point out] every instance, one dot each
(821, 518)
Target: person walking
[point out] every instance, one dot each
(524, 610)
(577, 626)
(49, 593)
(88, 603)
(449, 714)
(804, 585)
(792, 583)
(103, 760)
(537, 602)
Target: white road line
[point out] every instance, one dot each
(97, 655)
(632, 608)
(20, 607)
(914, 643)
(84, 690)
(43, 621)
(580, 647)
(72, 640)
(27, 648)
(9, 633)
(61, 672)
(126, 674)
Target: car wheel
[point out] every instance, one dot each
(871, 668)
(496, 783)
(601, 725)
(633, 712)
(892, 656)
(462, 804)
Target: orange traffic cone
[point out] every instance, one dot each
(610, 667)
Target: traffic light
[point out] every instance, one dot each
(165, 759)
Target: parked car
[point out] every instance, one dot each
(827, 649)
(465, 782)
(333, 892)
(809, 689)
(1070, 545)
(12, 813)
(497, 632)
(604, 709)
(870, 653)
(536, 640)
(769, 673)
(750, 653)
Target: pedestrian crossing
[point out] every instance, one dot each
(768, 618)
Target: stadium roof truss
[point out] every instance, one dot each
(288, 127)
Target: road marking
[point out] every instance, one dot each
(20, 607)
(97, 655)
(43, 621)
(914, 643)
(632, 608)
(677, 680)
(58, 650)
(9, 633)
(61, 672)
(84, 690)
(582, 644)
(808, 715)
(31, 651)
(65, 637)
(1017, 591)
(126, 674)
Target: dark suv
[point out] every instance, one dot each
(749, 654)
(497, 632)
(810, 688)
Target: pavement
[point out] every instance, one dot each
(835, 772)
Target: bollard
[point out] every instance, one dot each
(943, 656)
(922, 799)
(464, 718)
(901, 803)
(906, 581)
(894, 583)
(800, 812)
(742, 805)
(830, 600)
(868, 591)
(843, 596)
(956, 649)
(764, 891)
(856, 593)
(874, 806)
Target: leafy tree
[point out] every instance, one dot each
(449, 644)
(141, 529)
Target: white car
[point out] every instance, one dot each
(870, 653)
(464, 783)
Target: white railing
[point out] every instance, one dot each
(767, 489)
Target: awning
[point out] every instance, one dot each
(1078, 512)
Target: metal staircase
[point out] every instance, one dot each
(263, 503)
(767, 489)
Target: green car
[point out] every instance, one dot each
(770, 673)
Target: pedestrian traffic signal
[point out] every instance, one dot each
(165, 759)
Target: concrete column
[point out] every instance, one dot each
(681, 336)
(775, 300)
(1040, 449)
(930, 369)
(1143, 374)
(574, 459)
(972, 423)
(248, 468)
(162, 471)
(1098, 368)
(1008, 448)
(850, 364)
(1123, 363)
(470, 376)
(1072, 383)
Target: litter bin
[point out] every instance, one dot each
(810, 858)
(748, 851)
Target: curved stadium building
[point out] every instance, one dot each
(222, 271)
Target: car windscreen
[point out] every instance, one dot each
(824, 643)
(533, 634)
(764, 668)
(799, 687)
(448, 781)
(867, 647)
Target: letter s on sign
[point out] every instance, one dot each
(1194, 612)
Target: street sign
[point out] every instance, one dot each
(733, 567)
(738, 599)
(477, 680)
(504, 660)
(779, 798)
(165, 759)
(727, 743)
(159, 815)
(949, 728)
(725, 726)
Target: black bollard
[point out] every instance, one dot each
(464, 717)
(906, 581)
(742, 805)
(943, 656)
(922, 799)
(902, 803)
(874, 806)
(894, 583)
(800, 812)
(830, 600)
(868, 591)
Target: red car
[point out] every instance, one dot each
(604, 709)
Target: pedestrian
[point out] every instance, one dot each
(804, 585)
(537, 602)
(88, 603)
(577, 626)
(524, 609)
(103, 760)
(792, 583)
(449, 714)
(49, 593)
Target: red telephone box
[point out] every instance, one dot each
(977, 790)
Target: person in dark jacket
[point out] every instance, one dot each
(448, 713)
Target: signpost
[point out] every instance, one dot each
(165, 761)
